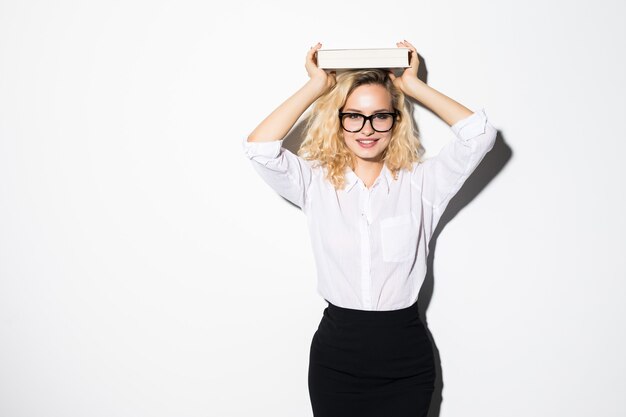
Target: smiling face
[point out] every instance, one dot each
(368, 144)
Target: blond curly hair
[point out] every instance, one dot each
(324, 142)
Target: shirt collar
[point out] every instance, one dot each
(384, 178)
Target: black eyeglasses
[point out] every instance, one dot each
(380, 122)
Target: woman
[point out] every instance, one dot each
(372, 205)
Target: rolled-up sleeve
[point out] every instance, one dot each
(288, 174)
(441, 177)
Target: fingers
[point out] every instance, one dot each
(413, 57)
(406, 44)
(314, 49)
(310, 56)
(409, 44)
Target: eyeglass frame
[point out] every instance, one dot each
(395, 114)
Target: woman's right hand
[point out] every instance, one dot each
(322, 78)
(280, 121)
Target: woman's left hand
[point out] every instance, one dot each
(409, 76)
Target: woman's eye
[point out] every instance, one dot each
(382, 116)
(354, 116)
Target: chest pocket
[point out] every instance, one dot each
(398, 238)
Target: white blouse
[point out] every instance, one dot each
(371, 245)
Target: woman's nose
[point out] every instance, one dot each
(368, 129)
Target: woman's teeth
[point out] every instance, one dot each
(367, 143)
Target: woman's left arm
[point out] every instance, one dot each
(443, 106)
(440, 178)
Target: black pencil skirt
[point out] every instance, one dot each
(371, 364)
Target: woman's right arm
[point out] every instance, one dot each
(280, 121)
(288, 174)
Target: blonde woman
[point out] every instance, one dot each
(372, 205)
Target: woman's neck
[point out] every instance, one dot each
(368, 171)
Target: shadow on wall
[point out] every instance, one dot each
(489, 167)
(493, 162)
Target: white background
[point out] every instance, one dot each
(147, 270)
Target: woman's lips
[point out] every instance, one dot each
(367, 143)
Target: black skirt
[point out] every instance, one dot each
(371, 363)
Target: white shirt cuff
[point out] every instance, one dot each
(266, 149)
(471, 126)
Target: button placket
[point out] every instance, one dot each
(364, 226)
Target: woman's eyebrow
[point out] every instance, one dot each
(359, 111)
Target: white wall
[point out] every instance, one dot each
(146, 270)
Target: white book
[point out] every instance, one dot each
(363, 58)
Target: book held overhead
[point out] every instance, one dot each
(363, 58)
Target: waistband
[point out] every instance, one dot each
(400, 316)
